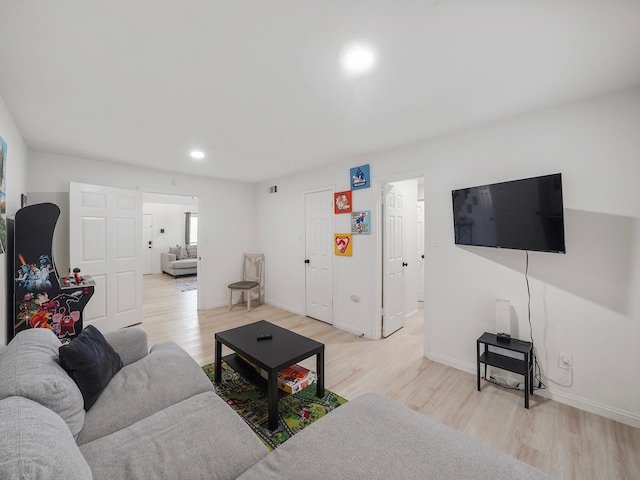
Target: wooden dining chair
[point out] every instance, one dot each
(252, 279)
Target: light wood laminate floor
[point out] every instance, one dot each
(566, 442)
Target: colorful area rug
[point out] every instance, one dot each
(186, 284)
(295, 411)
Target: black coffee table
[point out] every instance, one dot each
(285, 348)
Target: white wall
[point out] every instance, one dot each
(226, 218)
(16, 185)
(584, 303)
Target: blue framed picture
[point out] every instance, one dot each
(360, 177)
(361, 222)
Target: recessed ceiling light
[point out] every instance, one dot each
(197, 154)
(357, 58)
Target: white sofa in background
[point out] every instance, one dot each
(180, 260)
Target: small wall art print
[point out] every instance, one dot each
(342, 244)
(3, 196)
(342, 202)
(361, 222)
(360, 177)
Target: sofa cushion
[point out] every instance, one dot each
(192, 251)
(198, 438)
(177, 251)
(130, 343)
(36, 443)
(29, 368)
(91, 362)
(374, 437)
(166, 376)
(184, 264)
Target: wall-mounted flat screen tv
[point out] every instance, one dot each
(525, 214)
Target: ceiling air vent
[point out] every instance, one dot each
(273, 189)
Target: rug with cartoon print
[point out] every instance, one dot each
(295, 411)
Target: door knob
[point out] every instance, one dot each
(307, 261)
(404, 264)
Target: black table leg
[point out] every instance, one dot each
(272, 396)
(320, 371)
(527, 378)
(478, 362)
(218, 373)
(533, 371)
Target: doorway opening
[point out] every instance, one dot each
(170, 222)
(401, 251)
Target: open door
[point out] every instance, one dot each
(420, 250)
(399, 249)
(106, 242)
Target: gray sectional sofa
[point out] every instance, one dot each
(158, 418)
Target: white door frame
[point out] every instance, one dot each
(377, 184)
(147, 244)
(304, 265)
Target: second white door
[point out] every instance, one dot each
(319, 255)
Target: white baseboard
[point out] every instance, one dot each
(628, 418)
(348, 328)
(216, 305)
(287, 308)
(606, 411)
(452, 362)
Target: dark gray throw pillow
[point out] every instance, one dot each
(91, 362)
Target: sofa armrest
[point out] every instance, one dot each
(165, 259)
(130, 343)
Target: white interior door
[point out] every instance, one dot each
(147, 243)
(319, 255)
(420, 250)
(394, 264)
(106, 243)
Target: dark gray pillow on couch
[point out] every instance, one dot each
(91, 362)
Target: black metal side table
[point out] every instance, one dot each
(522, 366)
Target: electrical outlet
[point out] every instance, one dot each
(564, 361)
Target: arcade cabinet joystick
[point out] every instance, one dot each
(76, 276)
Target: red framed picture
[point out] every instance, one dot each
(342, 202)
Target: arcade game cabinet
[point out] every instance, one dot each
(40, 298)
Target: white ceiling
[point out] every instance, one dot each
(257, 86)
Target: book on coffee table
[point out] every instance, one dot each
(292, 379)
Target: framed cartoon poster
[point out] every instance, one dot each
(342, 244)
(342, 202)
(360, 177)
(361, 222)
